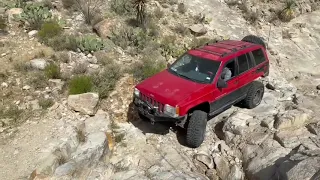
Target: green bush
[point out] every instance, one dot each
(90, 44)
(52, 71)
(122, 7)
(105, 81)
(128, 36)
(35, 15)
(3, 23)
(80, 84)
(49, 30)
(13, 112)
(45, 103)
(63, 42)
(38, 80)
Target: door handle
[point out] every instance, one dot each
(236, 82)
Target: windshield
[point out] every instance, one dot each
(195, 68)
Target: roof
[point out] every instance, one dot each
(221, 49)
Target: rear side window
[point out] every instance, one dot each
(258, 56)
(243, 63)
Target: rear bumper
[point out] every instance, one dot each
(152, 112)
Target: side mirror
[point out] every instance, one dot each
(221, 84)
(168, 65)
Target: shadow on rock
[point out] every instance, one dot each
(144, 124)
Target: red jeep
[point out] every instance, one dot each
(203, 82)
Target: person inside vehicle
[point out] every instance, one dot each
(226, 74)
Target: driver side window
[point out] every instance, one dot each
(229, 71)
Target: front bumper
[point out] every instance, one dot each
(152, 113)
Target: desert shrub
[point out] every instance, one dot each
(34, 15)
(121, 7)
(45, 103)
(48, 30)
(22, 67)
(181, 29)
(63, 42)
(182, 8)
(67, 4)
(90, 44)
(89, 9)
(150, 64)
(104, 82)
(128, 36)
(201, 19)
(62, 56)
(80, 84)
(38, 80)
(80, 68)
(52, 71)
(12, 112)
(287, 14)
(3, 23)
(158, 13)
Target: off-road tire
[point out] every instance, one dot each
(196, 128)
(254, 39)
(256, 90)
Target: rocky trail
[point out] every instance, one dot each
(280, 139)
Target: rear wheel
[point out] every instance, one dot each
(254, 39)
(255, 95)
(196, 128)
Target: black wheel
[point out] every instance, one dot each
(255, 95)
(254, 39)
(196, 128)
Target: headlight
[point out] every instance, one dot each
(171, 111)
(136, 92)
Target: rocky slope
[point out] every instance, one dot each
(277, 140)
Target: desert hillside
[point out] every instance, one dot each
(69, 67)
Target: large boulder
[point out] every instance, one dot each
(103, 28)
(262, 161)
(305, 169)
(39, 64)
(293, 119)
(85, 103)
(92, 151)
(292, 138)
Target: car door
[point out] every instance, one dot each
(246, 72)
(223, 97)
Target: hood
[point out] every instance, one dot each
(168, 88)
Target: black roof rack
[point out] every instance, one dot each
(211, 52)
(215, 45)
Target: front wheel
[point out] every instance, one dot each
(255, 95)
(196, 128)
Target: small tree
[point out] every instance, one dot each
(140, 6)
(89, 9)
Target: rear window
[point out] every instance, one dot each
(258, 56)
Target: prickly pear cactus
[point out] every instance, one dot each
(35, 14)
(89, 44)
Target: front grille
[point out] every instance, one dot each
(153, 102)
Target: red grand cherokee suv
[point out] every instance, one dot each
(203, 82)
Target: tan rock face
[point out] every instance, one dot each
(103, 28)
(11, 13)
(85, 103)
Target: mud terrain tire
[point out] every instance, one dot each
(196, 128)
(254, 95)
(254, 39)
